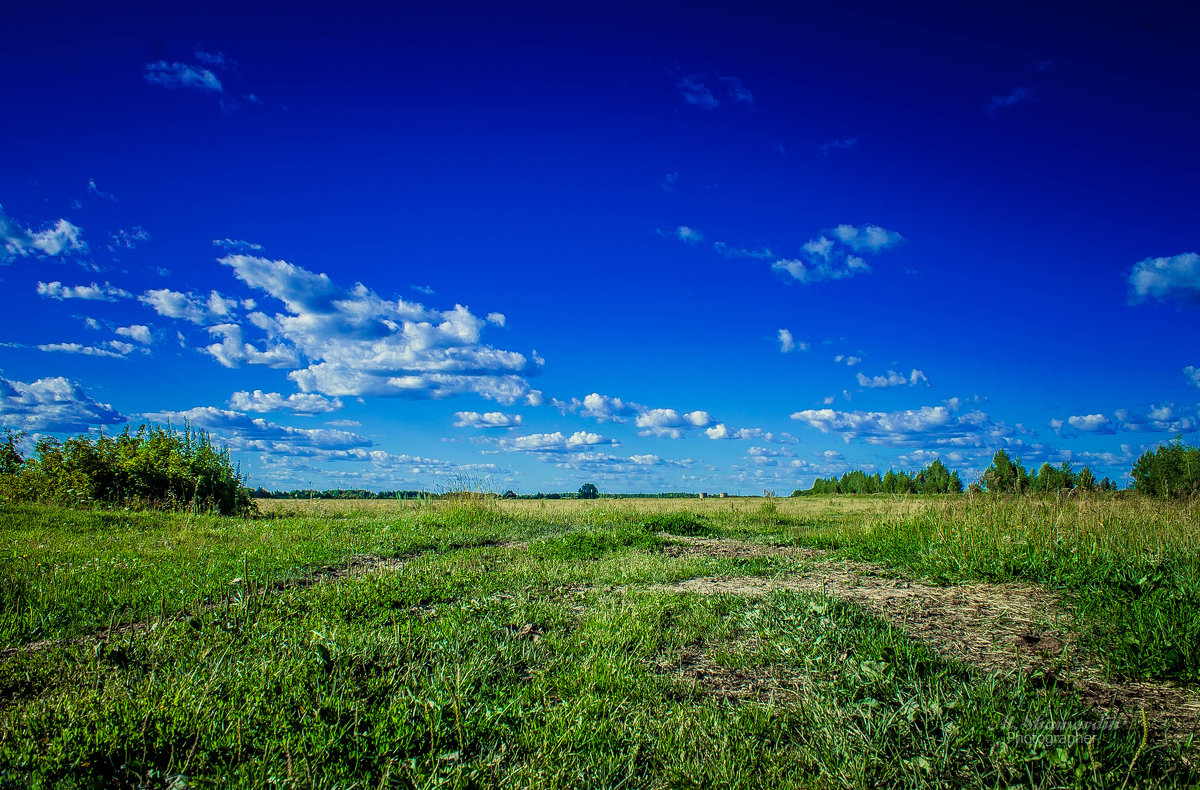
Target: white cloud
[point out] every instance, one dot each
(850, 361)
(694, 91)
(182, 75)
(1163, 417)
(670, 424)
(893, 379)
(688, 235)
(114, 349)
(491, 419)
(1092, 423)
(93, 292)
(61, 239)
(928, 426)
(351, 342)
(191, 307)
(128, 239)
(297, 403)
(556, 442)
(870, 238)
(136, 332)
(1192, 374)
(787, 343)
(821, 271)
(52, 404)
(1176, 277)
(232, 350)
(255, 434)
(236, 245)
(601, 408)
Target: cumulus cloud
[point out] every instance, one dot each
(296, 403)
(232, 350)
(1159, 418)
(256, 434)
(136, 332)
(607, 466)
(196, 308)
(356, 343)
(182, 75)
(670, 424)
(893, 379)
(688, 235)
(61, 239)
(928, 426)
(787, 342)
(1176, 278)
(102, 293)
(850, 360)
(52, 404)
(556, 442)
(491, 419)
(601, 408)
(1192, 374)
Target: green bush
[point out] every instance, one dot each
(157, 467)
(677, 524)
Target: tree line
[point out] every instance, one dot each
(933, 479)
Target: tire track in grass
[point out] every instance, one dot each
(354, 566)
(1006, 629)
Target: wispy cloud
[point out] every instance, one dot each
(1176, 278)
(93, 292)
(893, 379)
(736, 91)
(114, 349)
(1018, 95)
(694, 91)
(836, 145)
(182, 75)
(128, 239)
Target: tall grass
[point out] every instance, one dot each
(1130, 565)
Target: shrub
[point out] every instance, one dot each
(1173, 470)
(157, 467)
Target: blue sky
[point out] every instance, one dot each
(657, 248)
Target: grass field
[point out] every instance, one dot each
(809, 642)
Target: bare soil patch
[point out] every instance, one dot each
(1007, 629)
(731, 548)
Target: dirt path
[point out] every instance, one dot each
(1003, 628)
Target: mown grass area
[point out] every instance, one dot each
(520, 644)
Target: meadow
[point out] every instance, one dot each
(855, 641)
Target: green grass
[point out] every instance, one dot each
(1130, 567)
(518, 646)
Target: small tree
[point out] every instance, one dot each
(589, 491)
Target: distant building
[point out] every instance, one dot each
(723, 495)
